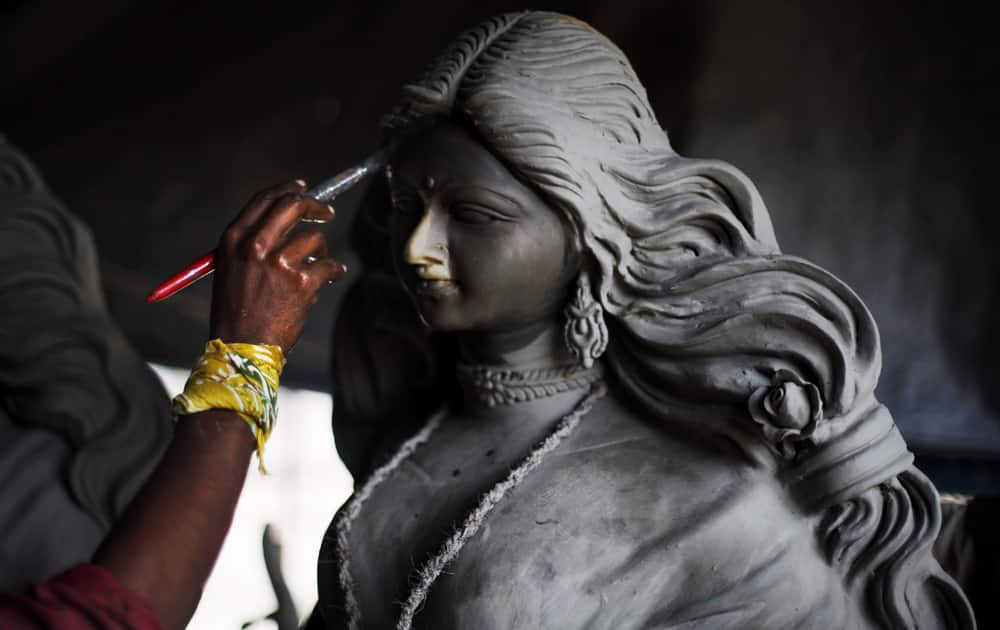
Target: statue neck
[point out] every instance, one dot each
(532, 346)
(529, 371)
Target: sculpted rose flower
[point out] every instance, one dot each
(788, 411)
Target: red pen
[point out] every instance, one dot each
(324, 192)
(189, 275)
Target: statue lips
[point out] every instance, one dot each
(433, 281)
(435, 289)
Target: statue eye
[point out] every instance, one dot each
(473, 214)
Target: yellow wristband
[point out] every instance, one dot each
(241, 377)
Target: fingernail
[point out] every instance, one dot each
(343, 268)
(330, 208)
(300, 182)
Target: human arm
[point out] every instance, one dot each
(166, 544)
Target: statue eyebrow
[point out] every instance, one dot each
(405, 186)
(399, 186)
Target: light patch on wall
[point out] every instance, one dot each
(306, 485)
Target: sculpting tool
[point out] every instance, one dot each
(324, 191)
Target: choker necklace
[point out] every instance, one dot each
(492, 385)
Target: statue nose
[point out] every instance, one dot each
(427, 245)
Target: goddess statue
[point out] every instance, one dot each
(580, 386)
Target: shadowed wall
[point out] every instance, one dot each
(869, 131)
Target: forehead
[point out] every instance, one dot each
(446, 153)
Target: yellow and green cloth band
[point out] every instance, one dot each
(241, 377)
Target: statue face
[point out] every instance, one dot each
(477, 249)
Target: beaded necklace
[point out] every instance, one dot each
(470, 525)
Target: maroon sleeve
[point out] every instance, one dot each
(86, 597)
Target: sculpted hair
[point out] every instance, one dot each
(711, 327)
(64, 364)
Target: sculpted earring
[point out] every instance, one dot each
(585, 333)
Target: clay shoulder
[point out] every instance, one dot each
(628, 476)
(616, 442)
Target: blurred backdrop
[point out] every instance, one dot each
(869, 128)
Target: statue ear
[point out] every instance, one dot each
(585, 333)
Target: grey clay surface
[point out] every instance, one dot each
(739, 473)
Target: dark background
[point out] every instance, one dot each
(869, 128)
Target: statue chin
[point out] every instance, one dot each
(441, 313)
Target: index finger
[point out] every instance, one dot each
(261, 202)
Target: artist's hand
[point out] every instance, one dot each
(266, 279)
